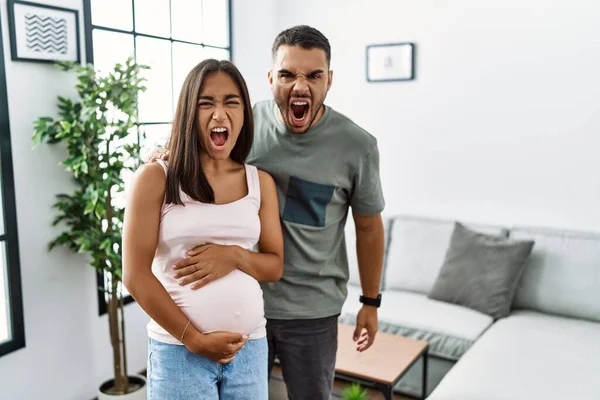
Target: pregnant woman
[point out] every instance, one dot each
(206, 341)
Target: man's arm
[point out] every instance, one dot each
(369, 249)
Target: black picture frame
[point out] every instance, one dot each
(59, 41)
(398, 73)
(10, 237)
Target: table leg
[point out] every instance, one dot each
(424, 388)
(387, 390)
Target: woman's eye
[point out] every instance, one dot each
(233, 103)
(204, 104)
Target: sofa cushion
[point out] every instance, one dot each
(562, 276)
(417, 248)
(449, 329)
(350, 235)
(528, 356)
(481, 271)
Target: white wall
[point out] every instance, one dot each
(503, 122)
(253, 32)
(67, 351)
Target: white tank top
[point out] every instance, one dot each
(233, 303)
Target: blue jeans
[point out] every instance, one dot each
(174, 373)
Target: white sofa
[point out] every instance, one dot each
(548, 348)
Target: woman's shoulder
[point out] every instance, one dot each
(266, 180)
(151, 170)
(263, 175)
(150, 178)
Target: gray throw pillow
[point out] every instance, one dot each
(481, 271)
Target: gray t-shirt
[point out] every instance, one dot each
(318, 175)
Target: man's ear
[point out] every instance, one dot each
(270, 77)
(330, 81)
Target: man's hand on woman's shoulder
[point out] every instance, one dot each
(159, 153)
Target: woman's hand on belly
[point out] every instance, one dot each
(206, 264)
(220, 347)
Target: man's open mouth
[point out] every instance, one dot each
(219, 136)
(298, 114)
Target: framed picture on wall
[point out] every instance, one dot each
(390, 62)
(43, 33)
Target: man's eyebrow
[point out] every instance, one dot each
(285, 71)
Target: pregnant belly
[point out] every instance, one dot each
(233, 303)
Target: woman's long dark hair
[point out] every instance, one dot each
(185, 170)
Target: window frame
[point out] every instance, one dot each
(89, 56)
(10, 236)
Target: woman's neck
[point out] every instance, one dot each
(212, 166)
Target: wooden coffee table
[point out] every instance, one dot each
(383, 364)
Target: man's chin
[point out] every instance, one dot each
(298, 129)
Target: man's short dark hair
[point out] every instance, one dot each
(305, 37)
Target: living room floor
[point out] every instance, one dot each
(277, 388)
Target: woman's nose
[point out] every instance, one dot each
(219, 114)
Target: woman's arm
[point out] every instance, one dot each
(267, 265)
(140, 237)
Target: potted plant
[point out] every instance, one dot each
(95, 129)
(354, 392)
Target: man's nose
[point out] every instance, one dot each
(301, 86)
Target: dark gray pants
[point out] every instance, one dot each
(306, 350)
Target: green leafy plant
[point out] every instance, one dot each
(96, 130)
(354, 392)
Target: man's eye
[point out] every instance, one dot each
(315, 76)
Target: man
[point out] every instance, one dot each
(323, 164)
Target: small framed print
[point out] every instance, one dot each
(43, 33)
(390, 62)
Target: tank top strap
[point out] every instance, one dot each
(165, 208)
(253, 182)
(163, 164)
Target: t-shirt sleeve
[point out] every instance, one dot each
(367, 195)
(251, 158)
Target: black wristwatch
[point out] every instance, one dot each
(370, 301)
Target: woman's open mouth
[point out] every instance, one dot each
(218, 137)
(298, 112)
